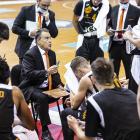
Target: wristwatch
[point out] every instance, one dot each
(47, 73)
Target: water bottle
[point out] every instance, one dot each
(129, 45)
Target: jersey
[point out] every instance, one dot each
(6, 112)
(86, 21)
(134, 76)
(114, 113)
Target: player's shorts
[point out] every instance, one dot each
(90, 49)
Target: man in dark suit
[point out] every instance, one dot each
(122, 15)
(36, 77)
(37, 13)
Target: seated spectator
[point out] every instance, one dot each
(77, 102)
(4, 32)
(10, 97)
(38, 74)
(113, 110)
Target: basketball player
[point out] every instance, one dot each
(10, 97)
(82, 71)
(90, 19)
(113, 110)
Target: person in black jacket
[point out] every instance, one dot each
(33, 13)
(36, 77)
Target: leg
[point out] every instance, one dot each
(114, 54)
(95, 50)
(83, 50)
(67, 132)
(42, 102)
(126, 58)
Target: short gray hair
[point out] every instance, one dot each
(39, 32)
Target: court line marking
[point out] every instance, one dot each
(64, 5)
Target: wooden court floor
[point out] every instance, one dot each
(63, 10)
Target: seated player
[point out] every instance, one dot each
(10, 97)
(113, 110)
(82, 70)
(4, 32)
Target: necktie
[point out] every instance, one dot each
(39, 19)
(121, 24)
(48, 66)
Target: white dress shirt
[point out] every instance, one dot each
(36, 20)
(46, 82)
(122, 6)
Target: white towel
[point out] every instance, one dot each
(21, 132)
(100, 22)
(71, 80)
(24, 134)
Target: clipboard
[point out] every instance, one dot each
(56, 93)
(124, 30)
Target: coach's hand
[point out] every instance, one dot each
(53, 69)
(46, 15)
(32, 33)
(110, 32)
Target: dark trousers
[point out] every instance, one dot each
(118, 53)
(68, 134)
(42, 105)
(90, 49)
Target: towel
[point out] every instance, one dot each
(21, 132)
(100, 22)
(24, 134)
(72, 83)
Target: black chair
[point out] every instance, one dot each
(15, 81)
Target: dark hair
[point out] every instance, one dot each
(103, 71)
(79, 62)
(4, 31)
(4, 70)
(39, 32)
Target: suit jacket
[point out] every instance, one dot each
(132, 18)
(19, 27)
(33, 71)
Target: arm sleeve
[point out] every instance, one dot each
(109, 13)
(29, 68)
(19, 23)
(52, 26)
(92, 121)
(78, 8)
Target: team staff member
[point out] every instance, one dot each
(89, 20)
(37, 13)
(103, 109)
(38, 74)
(121, 16)
(10, 96)
(4, 32)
